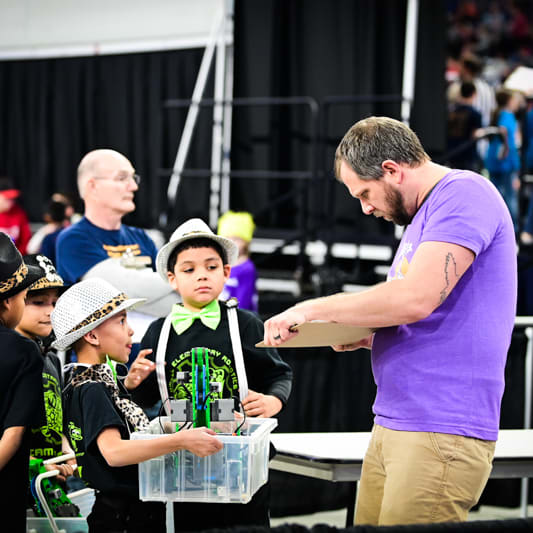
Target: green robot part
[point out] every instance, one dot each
(56, 498)
(200, 387)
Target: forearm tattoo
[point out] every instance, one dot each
(449, 265)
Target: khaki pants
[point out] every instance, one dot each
(413, 477)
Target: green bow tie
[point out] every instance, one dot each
(182, 318)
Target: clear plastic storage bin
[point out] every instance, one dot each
(232, 475)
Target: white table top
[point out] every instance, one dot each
(351, 447)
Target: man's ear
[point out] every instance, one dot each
(392, 171)
(90, 184)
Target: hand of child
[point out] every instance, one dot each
(65, 470)
(140, 369)
(73, 463)
(200, 441)
(261, 405)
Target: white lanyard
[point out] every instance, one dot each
(235, 344)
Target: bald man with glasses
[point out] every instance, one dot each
(100, 245)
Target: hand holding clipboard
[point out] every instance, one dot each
(320, 333)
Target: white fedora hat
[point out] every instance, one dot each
(194, 228)
(85, 306)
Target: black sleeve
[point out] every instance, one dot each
(57, 365)
(26, 388)
(147, 393)
(266, 371)
(98, 411)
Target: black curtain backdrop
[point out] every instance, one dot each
(323, 49)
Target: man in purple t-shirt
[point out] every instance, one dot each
(445, 317)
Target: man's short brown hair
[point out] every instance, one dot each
(373, 140)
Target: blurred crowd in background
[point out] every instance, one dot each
(489, 75)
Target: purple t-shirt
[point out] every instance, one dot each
(445, 373)
(241, 285)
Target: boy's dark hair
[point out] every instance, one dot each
(39, 292)
(200, 242)
(503, 96)
(468, 89)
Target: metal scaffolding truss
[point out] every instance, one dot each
(221, 42)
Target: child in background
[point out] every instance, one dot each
(21, 397)
(239, 227)
(503, 158)
(56, 217)
(99, 415)
(13, 219)
(47, 439)
(196, 263)
(464, 122)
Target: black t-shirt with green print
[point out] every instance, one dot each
(88, 410)
(266, 372)
(46, 438)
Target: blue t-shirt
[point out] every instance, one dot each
(511, 162)
(48, 245)
(445, 373)
(529, 147)
(83, 245)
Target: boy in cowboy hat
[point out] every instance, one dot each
(20, 382)
(99, 415)
(196, 263)
(47, 439)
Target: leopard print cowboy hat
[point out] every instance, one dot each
(83, 307)
(194, 228)
(15, 275)
(49, 279)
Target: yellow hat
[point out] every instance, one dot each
(236, 224)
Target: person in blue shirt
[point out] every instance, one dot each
(503, 159)
(100, 245)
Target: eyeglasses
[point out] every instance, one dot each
(121, 178)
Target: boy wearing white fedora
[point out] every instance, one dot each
(99, 414)
(197, 263)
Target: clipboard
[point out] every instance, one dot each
(320, 333)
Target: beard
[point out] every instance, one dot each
(397, 211)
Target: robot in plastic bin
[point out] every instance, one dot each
(202, 407)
